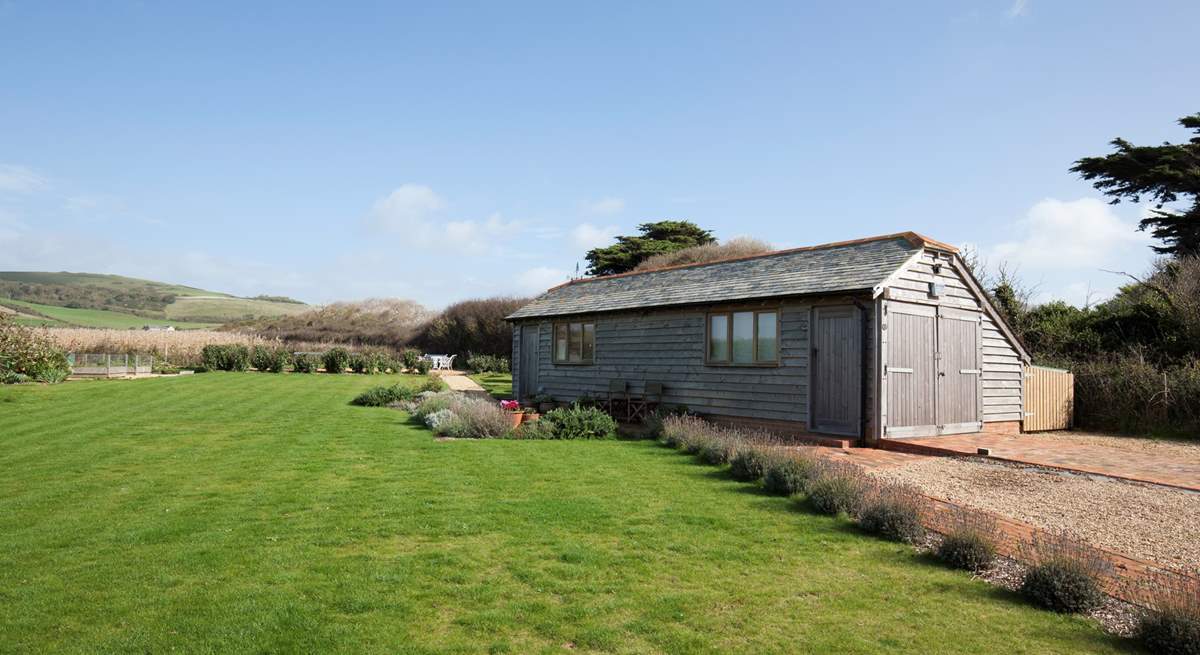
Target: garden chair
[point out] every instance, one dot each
(641, 408)
(448, 362)
(617, 403)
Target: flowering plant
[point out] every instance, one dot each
(510, 405)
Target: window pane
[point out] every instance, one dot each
(589, 341)
(560, 343)
(575, 347)
(743, 337)
(718, 338)
(768, 348)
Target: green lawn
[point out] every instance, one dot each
(229, 512)
(95, 318)
(497, 384)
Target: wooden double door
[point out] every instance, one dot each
(932, 373)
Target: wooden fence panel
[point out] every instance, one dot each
(1049, 399)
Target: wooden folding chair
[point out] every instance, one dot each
(640, 408)
(617, 404)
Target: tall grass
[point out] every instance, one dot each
(182, 347)
(710, 252)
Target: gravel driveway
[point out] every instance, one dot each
(1146, 522)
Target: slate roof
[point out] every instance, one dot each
(836, 267)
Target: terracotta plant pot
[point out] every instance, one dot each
(531, 416)
(516, 418)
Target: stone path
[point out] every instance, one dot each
(1059, 452)
(458, 381)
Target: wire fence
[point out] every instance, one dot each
(110, 364)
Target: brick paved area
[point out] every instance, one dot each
(1150, 467)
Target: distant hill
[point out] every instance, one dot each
(94, 300)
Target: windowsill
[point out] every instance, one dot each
(743, 365)
(592, 363)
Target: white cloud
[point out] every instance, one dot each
(415, 212)
(20, 179)
(586, 236)
(1064, 249)
(408, 210)
(1074, 234)
(537, 280)
(606, 206)
(1018, 8)
(477, 237)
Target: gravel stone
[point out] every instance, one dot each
(1146, 522)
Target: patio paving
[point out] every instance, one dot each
(1156, 468)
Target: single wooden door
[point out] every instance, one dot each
(837, 370)
(911, 370)
(959, 372)
(527, 370)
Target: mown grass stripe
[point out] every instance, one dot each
(253, 512)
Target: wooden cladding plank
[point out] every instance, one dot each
(1049, 399)
(667, 346)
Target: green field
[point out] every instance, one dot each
(117, 283)
(228, 308)
(94, 318)
(147, 301)
(228, 512)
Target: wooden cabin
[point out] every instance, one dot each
(879, 338)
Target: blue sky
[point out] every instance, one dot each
(336, 151)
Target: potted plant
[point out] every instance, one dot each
(544, 402)
(531, 415)
(513, 408)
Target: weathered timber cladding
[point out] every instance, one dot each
(958, 380)
(667, 346)
(911, 371)
(1001, 361)
(837, 369)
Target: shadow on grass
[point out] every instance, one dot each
(904, 554)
